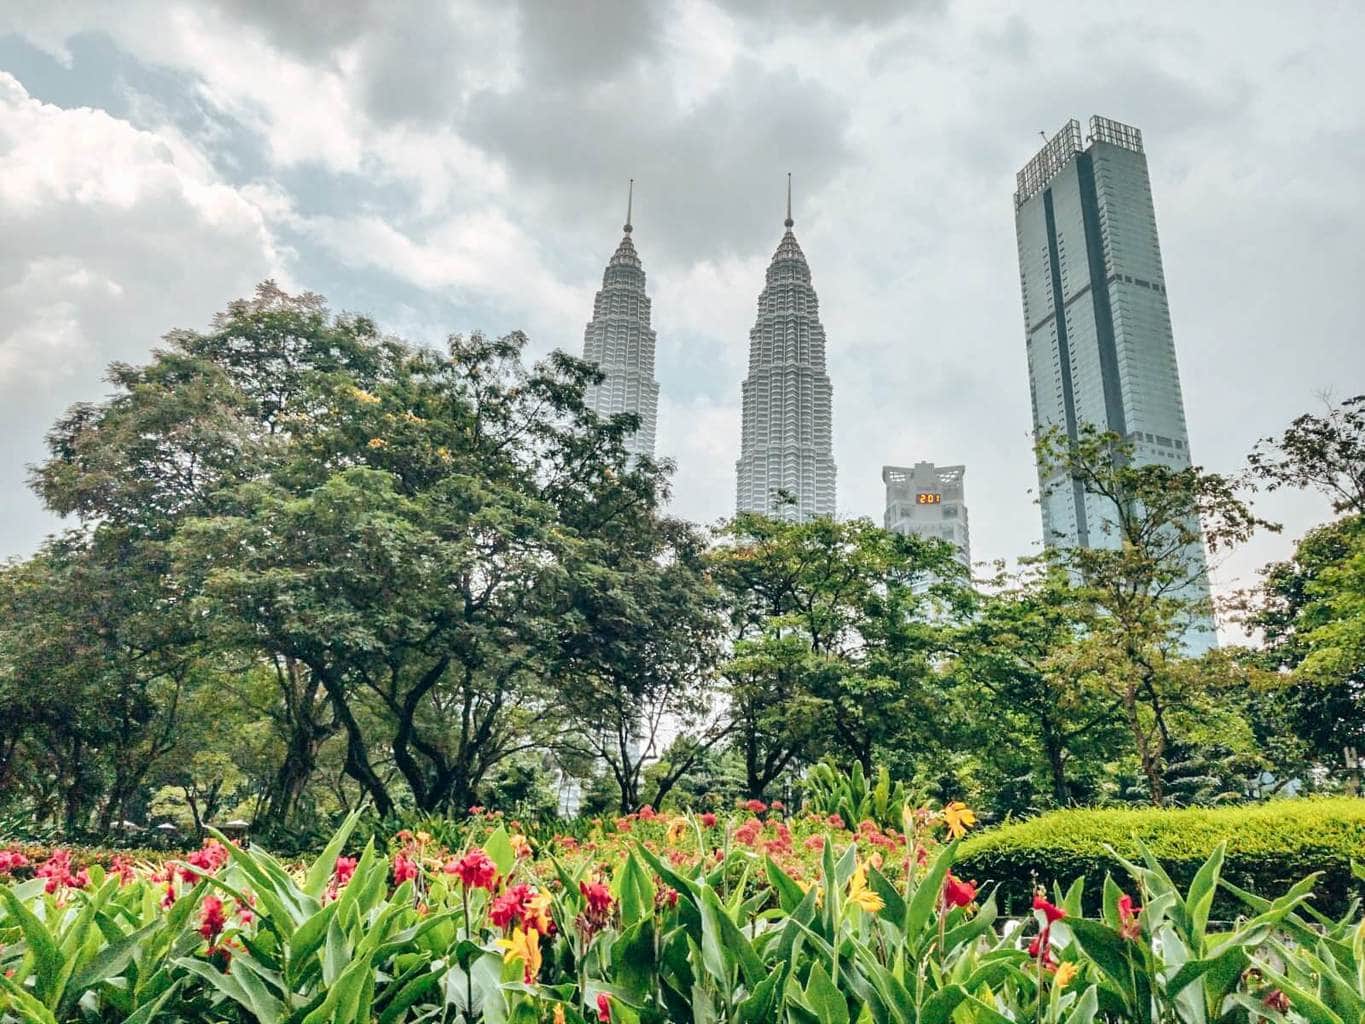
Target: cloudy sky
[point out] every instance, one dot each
(447, 167)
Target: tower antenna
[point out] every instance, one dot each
(789, 222)
(630, 202)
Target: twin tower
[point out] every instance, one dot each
(786, 460)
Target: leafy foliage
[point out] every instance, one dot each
(1267, 847)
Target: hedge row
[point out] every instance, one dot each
(1269, 847)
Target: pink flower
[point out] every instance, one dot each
(10, 860)
(212, 856)
(344, 869)
(814, 843)
(603, 1007)
(211, 920)
(475, 870)
(597, 895)
(647, 813)
(756, 806)
(57, 870)
(404, 869)
(708, 819)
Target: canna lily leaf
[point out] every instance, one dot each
(824, 998)
(320, 873)
(48, 962)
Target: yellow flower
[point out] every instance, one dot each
(676, 828)
(958, 817)
(364, 396)
(523, 945)
(536, 913)
(559, 1013)
(1066, 973)
(819, 891)
(860, 895)
(378, 442)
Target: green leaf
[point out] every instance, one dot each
(824, 998)
(939, 1007)
(928, 892)
(48, 962)
(635, 889)
(1200, 898)
(500, 852)
(320, 874)
(720, 936)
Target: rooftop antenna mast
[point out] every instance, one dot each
(789, 222)
(630, 202)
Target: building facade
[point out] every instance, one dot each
(786, 438)
(621, 342)
(929, 501)
(1097, 322)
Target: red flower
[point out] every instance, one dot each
(815, 843)
(404, 868)
(597, 895)
(957, 893)
(834, 821)
(1050, 910)
(11, 859)
(1129, 925)
(121, 868)
(756, 806)
(475, 870)
(777, 805)
(748, 832)
(708, 819)
(1276, 1000)
(212, 921)
(647, 813)
(507, 909)
(603, 1007)
(1040, 948)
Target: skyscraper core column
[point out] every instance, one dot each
(786, 460)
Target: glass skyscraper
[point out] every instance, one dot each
(1097, 323)
(786, 436)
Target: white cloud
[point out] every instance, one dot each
(113, 235)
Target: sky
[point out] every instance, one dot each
(455, 167)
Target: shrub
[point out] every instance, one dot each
(1269, 847)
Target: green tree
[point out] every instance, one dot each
(1012, 650)
(1144, 580)
(836, 628)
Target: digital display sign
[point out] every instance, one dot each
(930, 498)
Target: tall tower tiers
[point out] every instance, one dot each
(1096, 321)
(621, 342)
(786, 436)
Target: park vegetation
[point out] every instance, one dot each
(308, 568)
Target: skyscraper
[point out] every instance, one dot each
(786, 435)
(928, 501)
(1098, 328)
(620, 341)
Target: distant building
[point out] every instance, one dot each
(928, 501)
(1097, 323)
(620, 341)
(786, 441)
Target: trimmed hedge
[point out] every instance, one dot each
(1270, 846)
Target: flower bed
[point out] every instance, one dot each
(648, 918)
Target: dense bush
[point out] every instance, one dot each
(1269, 847)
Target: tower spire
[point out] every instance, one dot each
(789, 222)
(630, 202)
